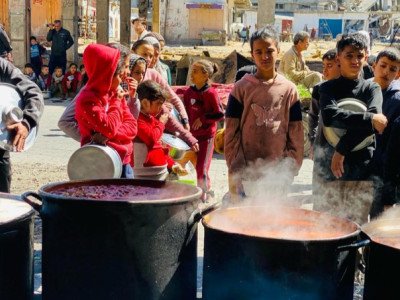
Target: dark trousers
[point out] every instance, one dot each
(37, 64)
(5, 174)
(57, 61)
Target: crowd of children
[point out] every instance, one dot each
(344, 67)
(58, 85)
(263, 103)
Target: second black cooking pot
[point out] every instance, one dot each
(277, 253)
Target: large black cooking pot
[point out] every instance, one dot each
(382, 259)
(16, 248)
(118, 247)
(277, 253)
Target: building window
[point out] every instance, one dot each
(304, 7)
(279, 6)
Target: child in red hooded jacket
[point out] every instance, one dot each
(204, 110)
(151, 126)
(101, 110)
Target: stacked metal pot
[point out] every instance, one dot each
(16, 248)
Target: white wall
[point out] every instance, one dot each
(312, 19)
(302, 19)
(250, 18)
(176, 26)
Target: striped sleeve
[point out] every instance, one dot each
(234, 108)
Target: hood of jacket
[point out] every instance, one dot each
(100, 64)
(393, 87)
(133, 59)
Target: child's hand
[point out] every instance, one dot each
(179, 170)
(164, 118)
(132, 85)
(197, 124)
(379, 121)
(21, 133)
(337, 164)
(68, 84)
(98, 138)
(121, 94)
(196, 147)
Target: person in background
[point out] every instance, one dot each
(342, 164)
(243, 34)
(61, 40)
(32, 107)
(70, 82)
(247, 34)
(330, 70)
(151, 127)
(5, 45)
(82, 80)
(264, 104)
(386, 69)
(391, 175)
(56, 89)
(156, 63)
(367, 70)
(29, 73)
(313, 33)
(145, 49)
(36, 55)
(138, 69)
(44, 79)
(204, 111)
(293, 65)
(139, 26)
(101, 110)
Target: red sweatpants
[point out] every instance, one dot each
(204, 157)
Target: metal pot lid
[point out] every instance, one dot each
(175, 142)
(12, 208)
(11, 106)
(94, 162)
(333, 134)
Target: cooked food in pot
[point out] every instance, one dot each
(115, 192)
(279, 223)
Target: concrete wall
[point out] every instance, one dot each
(19, 22)
(265, 13)
(174, 21)
(69, 10)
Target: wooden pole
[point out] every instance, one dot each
(102, 25)
(156, 16)
(125, 22)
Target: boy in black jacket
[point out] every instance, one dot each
(341, 161)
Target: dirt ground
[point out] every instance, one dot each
(313, 53)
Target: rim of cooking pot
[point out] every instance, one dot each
(193, 192)
(381, 229)
(353, 228)
(13, 210)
